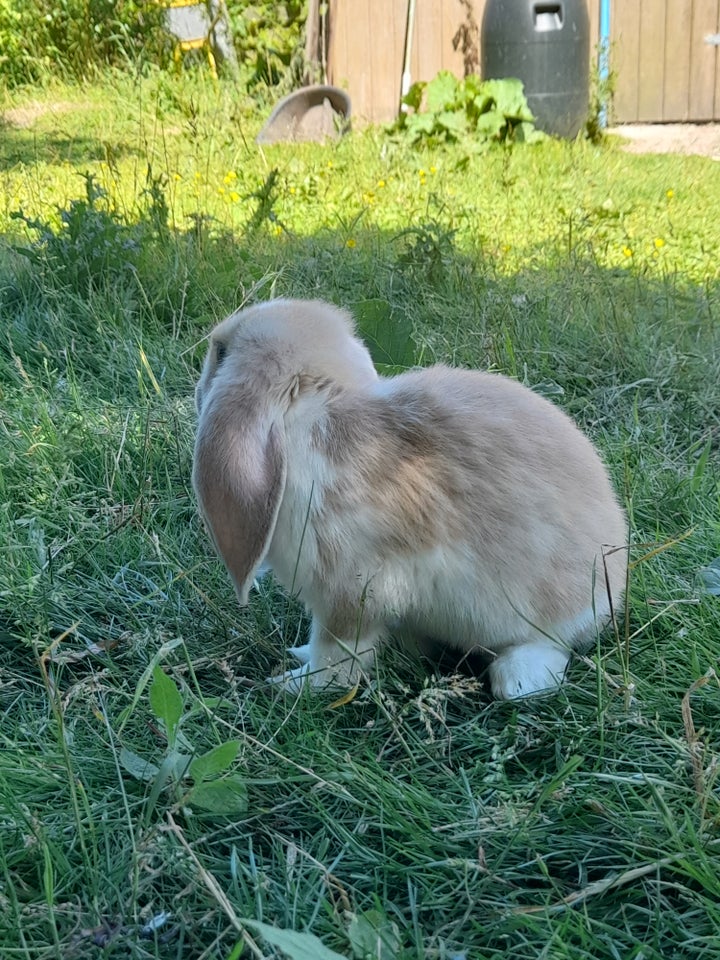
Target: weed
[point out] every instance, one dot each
(448, 109)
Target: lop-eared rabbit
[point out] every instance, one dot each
(443, 503)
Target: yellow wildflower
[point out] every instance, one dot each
(670, 194)
(659, 242)
(350, 243)
(627, 252)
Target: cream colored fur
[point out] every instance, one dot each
(447, 503)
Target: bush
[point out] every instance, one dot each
(268, 38)
(447, 109)
(74, 38)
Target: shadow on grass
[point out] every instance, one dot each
(26, 147)
(106, 323)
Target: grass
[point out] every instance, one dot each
(421, 819)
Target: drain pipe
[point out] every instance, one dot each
(406, 74)
(604, 57)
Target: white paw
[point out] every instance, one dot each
(300, 653)
(528, 669)
(293, 681)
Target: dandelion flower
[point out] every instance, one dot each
(670, 193)
(234, 196)
(350, 243)
(659, 242)
(627, 252)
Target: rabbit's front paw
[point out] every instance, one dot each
(293, 681)
(301, 654)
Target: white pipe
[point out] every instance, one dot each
(406, 81)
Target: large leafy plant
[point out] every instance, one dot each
(448, 109)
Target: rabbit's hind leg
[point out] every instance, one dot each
(537, 666)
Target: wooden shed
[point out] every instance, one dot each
(664, 53)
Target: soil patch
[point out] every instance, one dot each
(702, 139)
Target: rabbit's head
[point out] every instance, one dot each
(261, 362)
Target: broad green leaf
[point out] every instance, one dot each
(214, 761)
(453, 121)
(166, 702)
(167, 774)
(472, 86)
(137, 766)
(226, 797)
(509, 98)
(147, 673)
(420, 123)
(483, 102)
(179, 764)
(374, 937)
(490, 124)
(442, 92)
(413, 98)
(388, 335)
(710, 577)
(297, 946)
(525, 132)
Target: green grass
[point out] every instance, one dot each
(584, 824)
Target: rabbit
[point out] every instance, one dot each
(445, 503)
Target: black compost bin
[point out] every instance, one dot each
(547, 46)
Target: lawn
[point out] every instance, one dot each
(155, 793)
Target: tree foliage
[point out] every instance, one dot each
(74, 39)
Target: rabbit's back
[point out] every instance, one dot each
(445, 483)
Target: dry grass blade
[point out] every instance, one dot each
(696, 747)
(215, 890)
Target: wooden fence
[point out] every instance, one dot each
(666, 62)
(665, 67)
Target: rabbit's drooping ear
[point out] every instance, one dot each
(239, 474)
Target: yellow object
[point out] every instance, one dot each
(189, 23)
(346, 698)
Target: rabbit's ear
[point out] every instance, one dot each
(239, 474)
